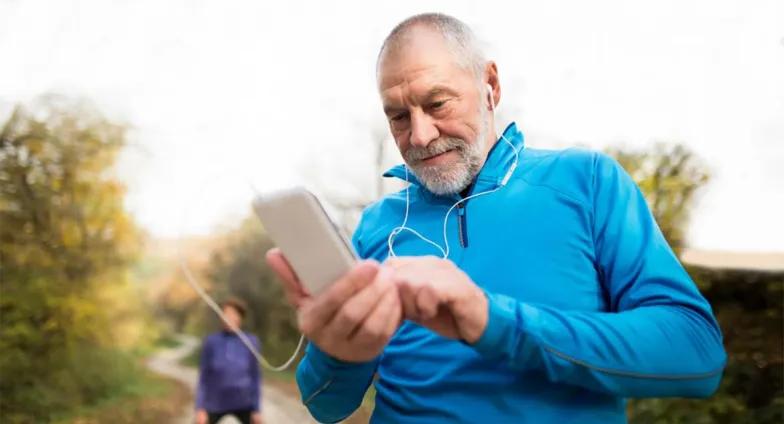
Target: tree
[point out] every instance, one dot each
(65, 243)
(238, 269)
(669, 177)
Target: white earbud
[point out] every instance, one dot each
(514, 164)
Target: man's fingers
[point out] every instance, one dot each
(408, 300)
(394, 320)
(408, 276)
(427, 302)
(420, 297)
(394, 262)
(280, 265)
(376, 327)
(357, 308)
(324, 306)
(400, 261)
(295, 293)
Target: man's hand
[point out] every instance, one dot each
(354, 318)
(438, 295)
(202, 417)
(255, 418)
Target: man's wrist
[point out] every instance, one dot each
(477, 317)
(503, 327)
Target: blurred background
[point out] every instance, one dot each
(132, 131)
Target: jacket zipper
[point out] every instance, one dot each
(462, 230)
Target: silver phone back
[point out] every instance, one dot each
(312, 243)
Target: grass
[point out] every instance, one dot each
(192, 360)
(166, 341)
(139, 396)
(149, 398)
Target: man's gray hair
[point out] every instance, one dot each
(458, 36)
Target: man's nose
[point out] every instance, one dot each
(423, 130)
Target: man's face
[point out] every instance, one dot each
(437, 112)
(233, 316)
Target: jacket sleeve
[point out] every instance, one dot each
(659, 337)
(332, 389)
(201, 385)
(255, 375)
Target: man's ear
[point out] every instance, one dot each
(491, 79)
(490, 97)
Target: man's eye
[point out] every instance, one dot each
(399, 117)
(437, 105)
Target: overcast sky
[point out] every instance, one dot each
(219, 93)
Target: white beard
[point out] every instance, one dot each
(449, 178)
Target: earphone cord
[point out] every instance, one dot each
(445, 250)
(214, 306)
(390, 242)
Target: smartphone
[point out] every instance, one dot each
(313, 245)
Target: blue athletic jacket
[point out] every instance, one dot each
(588, 305)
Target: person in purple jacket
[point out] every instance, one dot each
(229, 377)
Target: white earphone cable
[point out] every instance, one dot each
(214, 306)
(445, 250)
(390, 242)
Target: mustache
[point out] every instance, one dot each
(441, 145)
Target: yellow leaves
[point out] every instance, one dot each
(668, 176)
(65, 243)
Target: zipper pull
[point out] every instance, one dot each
(462, 230)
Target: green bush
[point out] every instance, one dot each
(748, 306)
(85, 378)
(66, 309)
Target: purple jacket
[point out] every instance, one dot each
(229, 378)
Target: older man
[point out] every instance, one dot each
(526, 285)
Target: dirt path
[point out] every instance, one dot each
(277, 407)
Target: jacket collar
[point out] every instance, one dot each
(499, 159)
